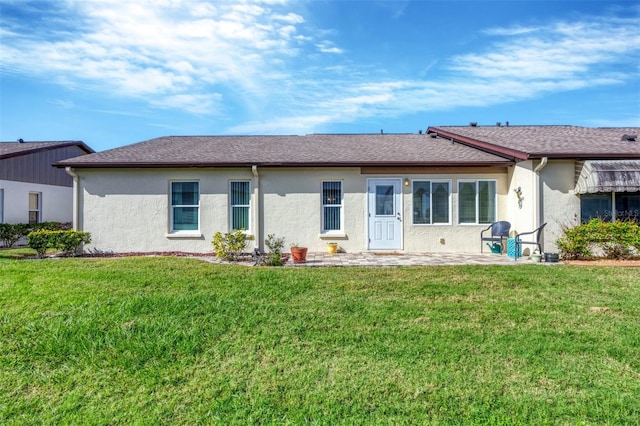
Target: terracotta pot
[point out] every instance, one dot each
(299, 254)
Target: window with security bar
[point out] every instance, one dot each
(240, 205)
(332, 206)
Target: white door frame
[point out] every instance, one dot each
(392, 225)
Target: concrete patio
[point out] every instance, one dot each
(318, 259)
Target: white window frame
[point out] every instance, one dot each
(477, 203)
(38, 209)
(172, 207)
(231, 206)
(323, 206)
(1, 205)
(431, 182)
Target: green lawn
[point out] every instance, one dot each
(179, 341)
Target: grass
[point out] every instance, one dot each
(178, 341)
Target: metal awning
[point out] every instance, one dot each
(609, 176)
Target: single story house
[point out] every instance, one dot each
(31, 189)
(431, 192)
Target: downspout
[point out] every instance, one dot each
(537, 189)
(256, 210)
(76, 197)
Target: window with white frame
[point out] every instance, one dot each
(240, 205)
(431, 202)
(477, 201)
(331, 206)
(1, 205)
(35, 207)
(185, 206)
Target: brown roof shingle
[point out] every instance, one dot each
(292, 151)
(549, 141)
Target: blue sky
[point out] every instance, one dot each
(112, 73)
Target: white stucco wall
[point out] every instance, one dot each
(560, 204)
(56, 202)
(128, 210)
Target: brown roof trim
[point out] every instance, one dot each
(584, 156)
(51, 147)
(484, 146)
(144, 165)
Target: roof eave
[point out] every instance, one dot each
(110, 165)
(482, 145)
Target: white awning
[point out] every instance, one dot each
(609, 176)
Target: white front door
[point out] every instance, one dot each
(385, 214)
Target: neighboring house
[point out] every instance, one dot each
(431, 192)
(31, 189)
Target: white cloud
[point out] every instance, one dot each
(291, 77)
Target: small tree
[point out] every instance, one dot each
(229, 246)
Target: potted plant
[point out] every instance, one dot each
(332, 248)
(536, 257)
(298, 253)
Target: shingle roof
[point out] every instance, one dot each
(310, 150)
(15, 149)
(548, 141)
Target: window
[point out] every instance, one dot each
(331, 206)
(430, 202)
(185, 206)
(240, 199)
(34, 207)
(1, 205)
(477, 201)
(623, 206)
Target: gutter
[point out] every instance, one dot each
(256, 210)
(76, 197)
(537, 210)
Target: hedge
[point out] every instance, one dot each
(66, 241)
(616, 240)
(10, 233)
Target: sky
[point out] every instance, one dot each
(112, 72)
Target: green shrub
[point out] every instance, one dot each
(67, 242)
(617, 240)
(11, 233)
(229, 246)
(275, 246)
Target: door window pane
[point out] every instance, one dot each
(384, 200)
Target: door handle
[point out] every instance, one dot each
(398, 216)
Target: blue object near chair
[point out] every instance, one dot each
(499, 231)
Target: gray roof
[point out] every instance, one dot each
(15, 149)
(292, 151)
(525, 142)
(609, 176)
